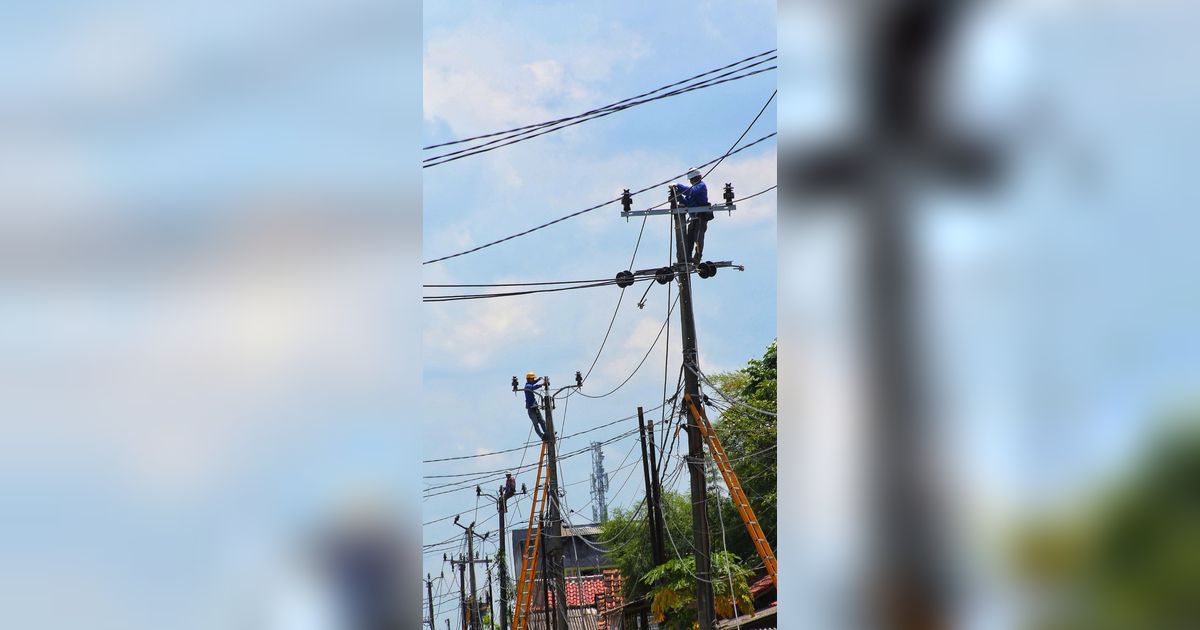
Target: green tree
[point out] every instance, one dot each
(1132, 559)
(629, 534)
(673, 588)
(749, 438)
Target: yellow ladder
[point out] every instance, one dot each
(525, 585)
(735, 489)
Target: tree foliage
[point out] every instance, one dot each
(673, 586)
(630, 533)
(1133, 559)
(749, 438)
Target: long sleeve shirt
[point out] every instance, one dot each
(530, 398)
(692, 196)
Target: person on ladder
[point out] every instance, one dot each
(532, 383)
(694, 196)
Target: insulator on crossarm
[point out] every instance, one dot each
(626, 201)
(729, 194)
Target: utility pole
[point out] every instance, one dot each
(554, 556)
(491, 611)
(501, 555)
(599, 485)
(462, 590)
(656, 498)
(502, 561)
(682, 272)
(699, 489)
(552, 549)
(429, 594)
(651, 518)
(476, 617)
(545, 579)
(905, 45)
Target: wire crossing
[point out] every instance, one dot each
(595, 207)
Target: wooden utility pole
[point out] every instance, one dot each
(656, 550)
(462, 591)
(656, 505)
(429, 594)
(695, 459)
(554, 556)
(904, 49)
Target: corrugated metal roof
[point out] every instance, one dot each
(577, 619)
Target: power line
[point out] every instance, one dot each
(592, 208)
(528, 444)
(517, 284)
(490, 476)
(620, 297)
(484, 296)
(748, 127)
(498, 143)
(727, 397)
(761, 192)
(644, 94)
(644, 357)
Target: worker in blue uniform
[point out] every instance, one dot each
(532, 383)
(693, 196)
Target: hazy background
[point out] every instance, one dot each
(209, 219)
(1056, 309)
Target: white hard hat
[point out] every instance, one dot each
(693, 174)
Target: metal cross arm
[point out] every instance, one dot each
(673, 200)
(727, 208)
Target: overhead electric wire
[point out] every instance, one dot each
(592, 208)
(748, 127)
(498, 143)
(517, 284)
(625, 100)
(727, 397)
(484, 296)
(620, 297)
(644, 357)
(761, 192)
(486, 477)
(528, 444)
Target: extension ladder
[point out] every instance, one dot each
(525, 586)
(735, 489)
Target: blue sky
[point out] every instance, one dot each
(488, 68)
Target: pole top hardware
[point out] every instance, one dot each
(673, 202)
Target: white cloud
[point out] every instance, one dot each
(470, 73)
(468, 336)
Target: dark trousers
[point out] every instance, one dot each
(539, 425)
(696, 228)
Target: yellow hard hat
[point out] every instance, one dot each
(531, 375)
